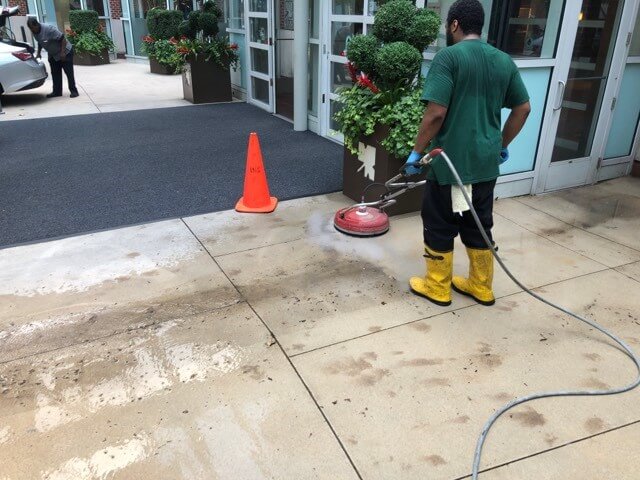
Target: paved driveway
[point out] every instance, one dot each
(120, 86)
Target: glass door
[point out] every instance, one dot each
(284, 58)
(580, 114)
(346, 19)
(259, 22)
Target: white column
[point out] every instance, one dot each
(300, 64)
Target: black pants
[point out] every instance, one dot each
(441, 225)
(56, 73)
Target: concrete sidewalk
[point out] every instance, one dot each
(226, 346)
(120, 86)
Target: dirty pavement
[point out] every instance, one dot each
(224, 346)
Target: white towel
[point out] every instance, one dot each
(458, 202)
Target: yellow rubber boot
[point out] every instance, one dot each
(435, 286)
(478, 285)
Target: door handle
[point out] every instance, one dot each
(559, 95)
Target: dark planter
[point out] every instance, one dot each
(159, 68)
(355, 178)
(635, 169)
(205, 82)
(85, 58)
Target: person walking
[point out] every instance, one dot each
(60, 53)
(467, 85)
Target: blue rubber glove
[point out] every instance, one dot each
(411, 167)
(504, 155)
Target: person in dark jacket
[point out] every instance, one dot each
(60, 53)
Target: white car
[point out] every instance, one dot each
(19, 70)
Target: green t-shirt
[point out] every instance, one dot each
(474, 81)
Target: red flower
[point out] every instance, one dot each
(353, 72)
(148, 39)
(233, 46)
(364, 81)
(173, 41)
(183, 50)
(183, 37)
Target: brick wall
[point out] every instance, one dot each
(116, 8)
(24, 9)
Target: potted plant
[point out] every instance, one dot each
(380, 114)
(90, 42)
(206, 76)
(160, 44)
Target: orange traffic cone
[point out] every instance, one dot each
(256, 198)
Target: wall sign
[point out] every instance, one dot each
(286, 14)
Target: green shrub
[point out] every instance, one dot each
(392, 20)
(194, 23)
(184, 29)
(199, 23)
(94, 42)
(361, 51)
(424, 29)
(211, 7)
(208, 24)
(397, 63)
(84, 21)
(163, 24)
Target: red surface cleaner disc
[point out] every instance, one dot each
(361, 221)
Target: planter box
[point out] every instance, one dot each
(84, 58)
(375, 164)
(206, 82)
(159, 68)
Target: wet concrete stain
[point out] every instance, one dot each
(61, 327)
(435, 460)
(550, 439)
(506, 305)
(594, 383)
(594, 357)
(529, 417)
(555, 230)
(298, 347)
(133, 255)
(422, 362)
(361, 369)
(594, 425)
(461, 419)
(254, 371)
(374, 329)
(421, 327)
(436, 382)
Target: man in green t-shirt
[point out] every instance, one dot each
(468, 84)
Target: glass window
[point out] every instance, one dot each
(348, 7)
(314, 63)
(442, 8)
(341, 33)
(234, 10)
(257, 5)
(522, 28)
(260, 89)
(314, 19)
(634, 49)
(526, 28)
(259, 30)
(97, 5)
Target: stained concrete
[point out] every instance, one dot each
(232, 346)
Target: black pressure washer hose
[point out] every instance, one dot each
(561, 393)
